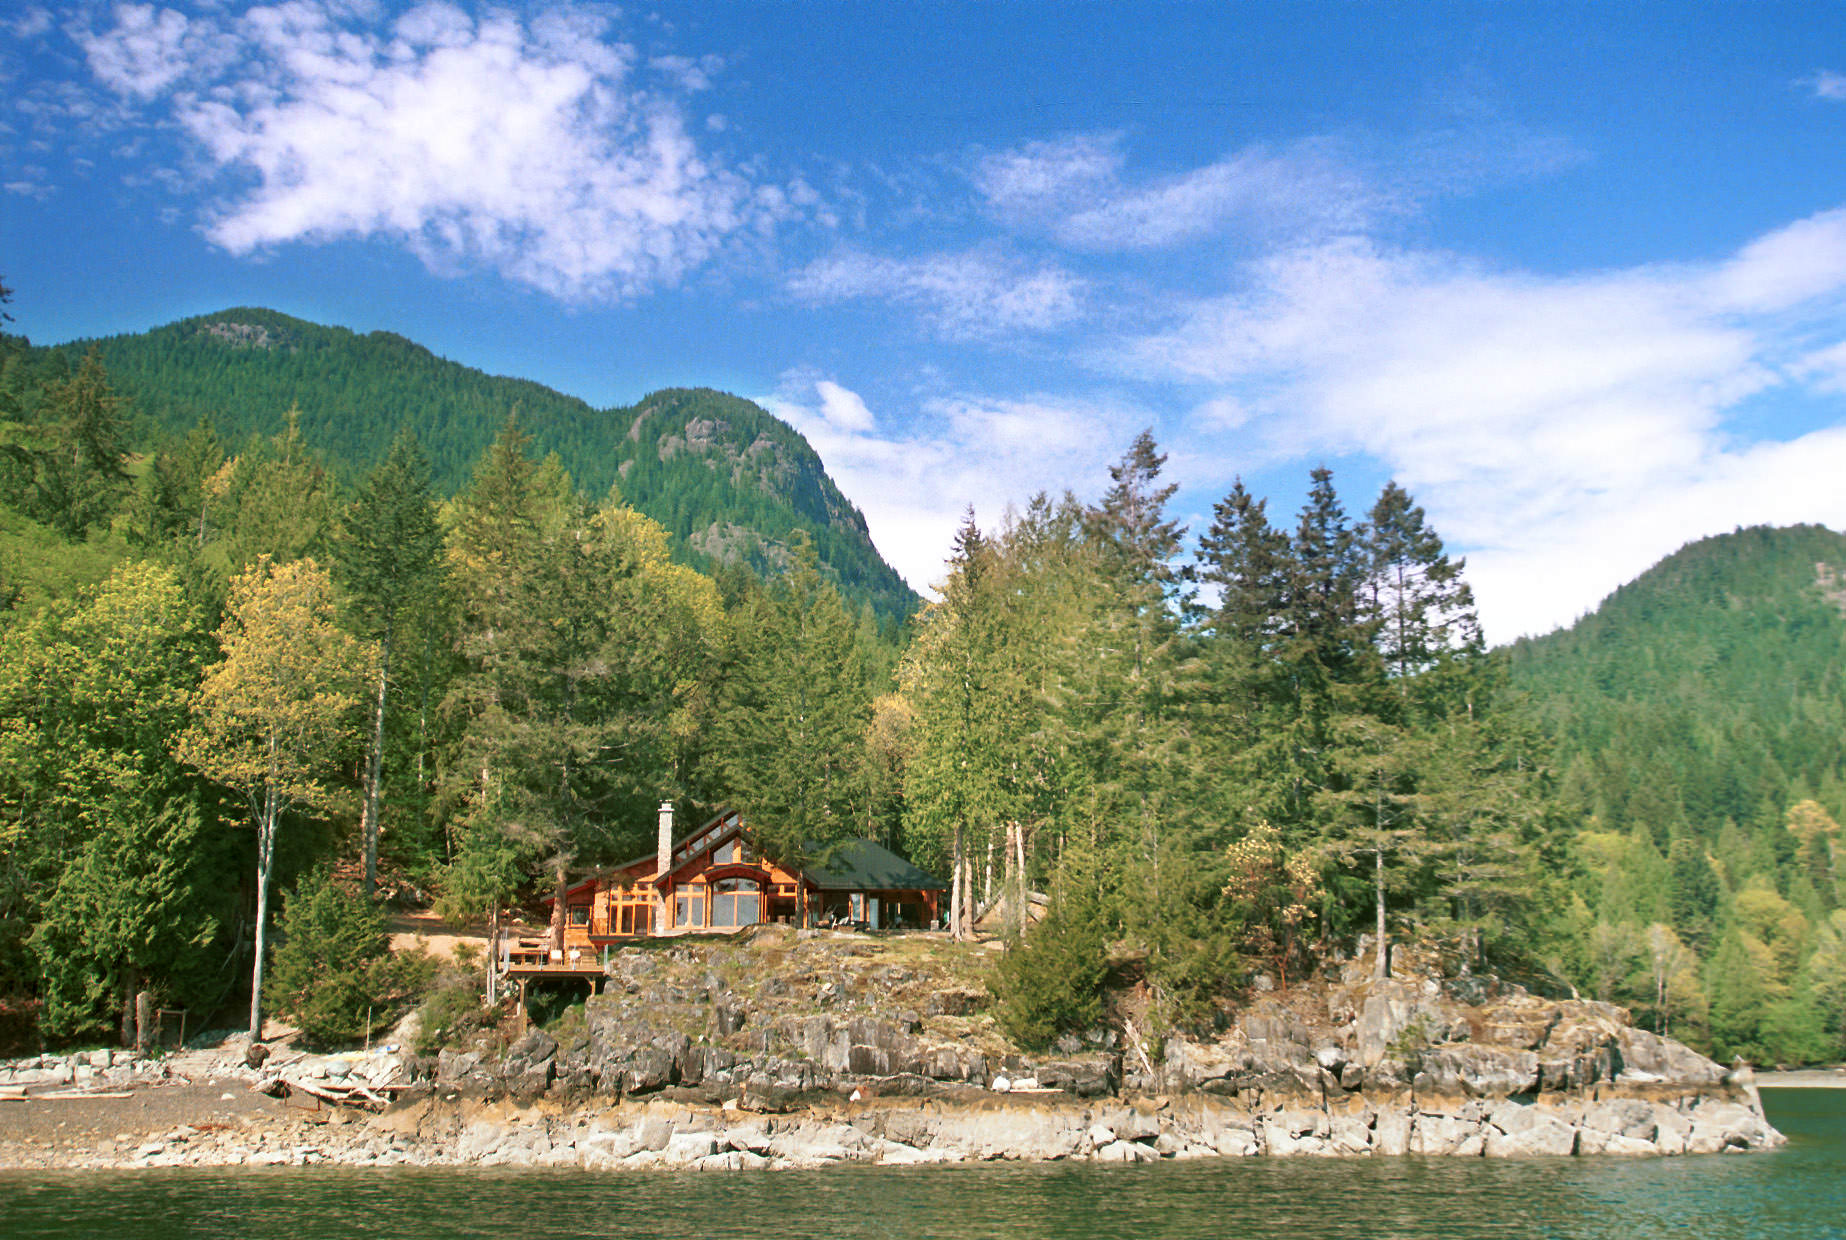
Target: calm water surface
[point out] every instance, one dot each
(1792, 1194)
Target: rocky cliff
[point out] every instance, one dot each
(809, 1049)
(808, 1037)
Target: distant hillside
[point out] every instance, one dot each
(1711, 689)
(728, 480)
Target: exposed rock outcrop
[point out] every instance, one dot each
(841, 1054)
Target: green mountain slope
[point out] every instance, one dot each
(730, 481)
(1707, 690)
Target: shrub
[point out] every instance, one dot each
(1052, 982)
(334, 969)
(451, 1011)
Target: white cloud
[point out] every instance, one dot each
(915, 485)
(148, 50)
(1827, 84)
(967, 295)
(1566, 432)
(535, 147)
(842, 408)
(1825, 368)
(1074, 190)
(30, 22)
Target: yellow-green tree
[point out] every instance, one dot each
(274, 715)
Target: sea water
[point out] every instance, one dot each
(1788, 1194)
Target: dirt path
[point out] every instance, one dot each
(424, 929)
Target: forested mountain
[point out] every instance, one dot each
(1698, 725)
(730, 482)
(1706, 692)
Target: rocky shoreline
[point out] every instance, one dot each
(852, 1058)
(455, 1130)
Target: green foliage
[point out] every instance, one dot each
(334, 970)
(135, 908)
(795, 706)
(450, 1013)
(1697, 714)
(1051, 983)
(101, 823)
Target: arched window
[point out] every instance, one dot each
(734, 902)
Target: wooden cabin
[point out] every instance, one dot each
(713, 880)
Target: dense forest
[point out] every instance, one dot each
(241, 691)
(729, 482)
(1699, 725)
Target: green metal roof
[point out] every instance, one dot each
(861, 865)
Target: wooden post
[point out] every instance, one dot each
(144, 1019)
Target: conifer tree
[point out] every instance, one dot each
(794, 710)
(1135, 737)
(82, 470)
(967, 780)
(388, 557)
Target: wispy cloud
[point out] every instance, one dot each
(1826, 84)
(915, 484)
(1075, 190)
(1568, 430)
(967, 295)
(540, 147)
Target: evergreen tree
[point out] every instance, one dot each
(335, 976)
(1417, 602)
(794, 710)
(389, 560)
(82, 471)
(135, 907)
(1130, 722)
(1693, 893)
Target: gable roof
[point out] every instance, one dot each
(849, 865)
(861, 865)
(682, 840)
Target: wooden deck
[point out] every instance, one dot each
(526, 959)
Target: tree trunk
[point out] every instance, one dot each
(557, 907)
(987, 875)
(130, 985)
(374, 766)
(1016, 880)
(265, 855)
(955, 887)
(967, 899)
(493, 954)
(1381, 968)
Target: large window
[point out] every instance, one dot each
(689, 909)
(732, 850)
(734, 902)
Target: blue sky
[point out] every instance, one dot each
(1573, 274)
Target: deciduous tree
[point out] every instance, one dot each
(276, 713)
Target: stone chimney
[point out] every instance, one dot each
(663, 856)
